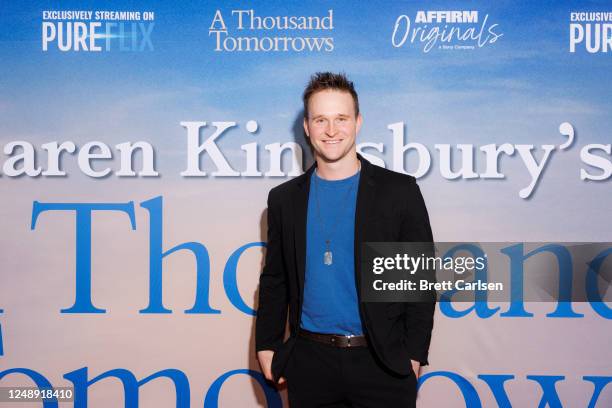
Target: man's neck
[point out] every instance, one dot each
(341, 169)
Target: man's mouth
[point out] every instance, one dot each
(335, 141)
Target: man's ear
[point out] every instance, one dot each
(306, 127)
(358, 124)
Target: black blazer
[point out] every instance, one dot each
(390, 208)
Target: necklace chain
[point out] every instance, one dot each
(327, 256)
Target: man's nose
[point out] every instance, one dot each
(331, 129)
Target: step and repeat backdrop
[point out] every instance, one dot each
(139, 141)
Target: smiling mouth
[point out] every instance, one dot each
(336, 141)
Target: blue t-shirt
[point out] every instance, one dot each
(330, 293)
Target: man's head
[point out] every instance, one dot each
(331, 116)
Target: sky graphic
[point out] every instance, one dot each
(517, 90)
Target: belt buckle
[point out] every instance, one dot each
(348, 340)
(342, 340)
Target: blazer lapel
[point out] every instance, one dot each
(300, 213)
(365, 197)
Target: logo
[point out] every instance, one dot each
(591, 31)
(97, 31)
(446, 30)
(271, 33)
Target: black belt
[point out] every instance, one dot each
(336, 340)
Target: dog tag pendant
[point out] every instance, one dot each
(327, 258)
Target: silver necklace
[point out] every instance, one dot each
(327, 255)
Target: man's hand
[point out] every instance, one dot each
(265, 362)
(416, 366)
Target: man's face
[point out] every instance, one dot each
(331, 124)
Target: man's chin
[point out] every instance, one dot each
(331, 159)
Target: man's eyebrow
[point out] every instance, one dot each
(344, 115)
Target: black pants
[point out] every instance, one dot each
(320, 375)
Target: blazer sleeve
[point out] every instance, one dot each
(415, 227)
(272, 310)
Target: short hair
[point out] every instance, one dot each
(321, 81)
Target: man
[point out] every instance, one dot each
(340, 351)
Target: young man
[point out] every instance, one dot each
(340, 351)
